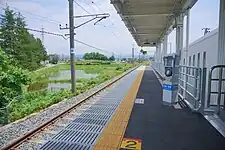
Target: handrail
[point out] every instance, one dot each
(220, 81)
(197, 86)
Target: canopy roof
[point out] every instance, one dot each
(149, 20)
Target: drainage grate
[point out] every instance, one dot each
(106, 108)
(84, 127)
(72, 136)
(90, 121)
(94, 111)
(94, 116)
(59, 145)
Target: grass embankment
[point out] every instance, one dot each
(36, 101)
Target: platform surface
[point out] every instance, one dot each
(161, 127)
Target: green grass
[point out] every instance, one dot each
(36, 101)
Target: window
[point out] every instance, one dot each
(189, 61)
(189, 64)
(204, 59)
(193, 63)
(198, 60)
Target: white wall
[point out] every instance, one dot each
(208, 44)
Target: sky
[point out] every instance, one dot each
(110, 34)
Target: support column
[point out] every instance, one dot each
(187, 36)
(186, 50)
(179, 34)
(165, 43)
(159, 52)
(221, 41)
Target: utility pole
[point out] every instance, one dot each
(71, 27)
(42, 34)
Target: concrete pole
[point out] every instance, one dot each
(72, 50)
(221, 41)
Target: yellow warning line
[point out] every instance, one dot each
(112, 134)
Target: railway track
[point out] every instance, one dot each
(39, 135)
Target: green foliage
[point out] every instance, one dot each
(36, 101)
(94, 56)
(93, 62)
(11, 80)
(53, 58)
(22, 48)
(112, 58)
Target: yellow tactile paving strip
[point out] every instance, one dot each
(111, 137)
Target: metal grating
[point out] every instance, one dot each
(99, 111)
(84, 127)
(95, 116)
(106, 108)
(59, 145)
(84, 130)
(90, 121)
(75, 137)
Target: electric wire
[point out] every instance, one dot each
(35, 15)
(61, 35)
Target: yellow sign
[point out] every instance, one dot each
(130, 143)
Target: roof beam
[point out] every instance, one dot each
(145, 34)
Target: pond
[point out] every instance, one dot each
(60, 75)
(65, 75)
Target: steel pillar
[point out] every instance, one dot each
(221, 41)
(159, 52)
(179, 34)
(165, 43)
(187, 35)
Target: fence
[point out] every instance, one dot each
(192, 85)
(218, 79)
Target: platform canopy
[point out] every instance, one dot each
(149, 20)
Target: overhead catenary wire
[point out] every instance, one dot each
(90, 14)
(61, 35)
(35, 15)
(56, 22)
(102, 10)
(82, 7)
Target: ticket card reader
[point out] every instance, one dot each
(170, 84)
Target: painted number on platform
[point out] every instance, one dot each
(130, 143)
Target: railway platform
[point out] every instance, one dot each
(132, 116)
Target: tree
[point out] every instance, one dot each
(11, 80)
(112, 58)
(94, 56)
(23, 49)
(53, 58)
